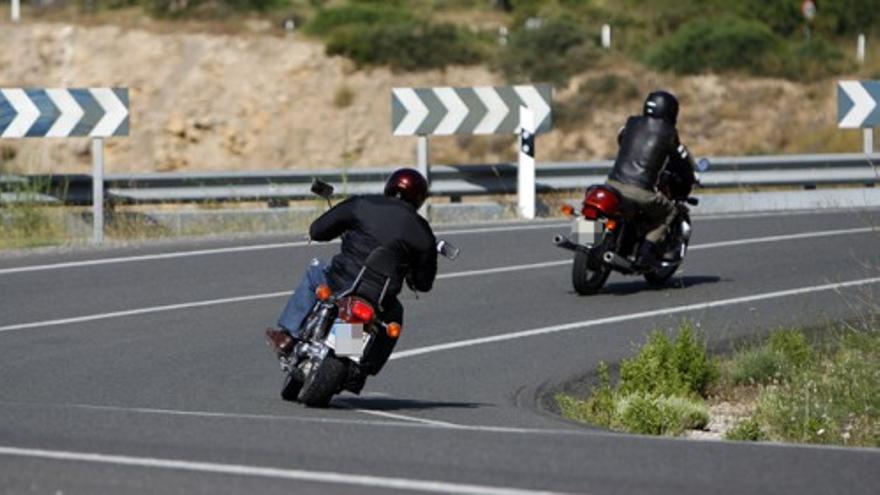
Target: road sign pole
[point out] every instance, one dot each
(16, 11)
(422, 158)
(869, 140)
(526, 170)
(98, 190)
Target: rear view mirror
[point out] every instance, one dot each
(703, 164)
(447, 249)
(322, 189)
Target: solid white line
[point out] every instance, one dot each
(152, 309)
(240, 249)
(469, 273)
(403, 417)
(268, 472)
(634, 316)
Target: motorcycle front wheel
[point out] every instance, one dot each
(588, 275)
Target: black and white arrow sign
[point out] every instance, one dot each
(93, 112)
(478, 110)
(857, 104)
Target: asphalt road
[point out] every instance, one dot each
(143, 369)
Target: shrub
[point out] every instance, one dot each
(792, 346)
(358, 14)
(553, 52)
(666, 368)
(718, 44)
(660, 415)
(747, 430)
(406, 46)
(812, 60)
(754, 366)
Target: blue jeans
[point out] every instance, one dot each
(303, 299)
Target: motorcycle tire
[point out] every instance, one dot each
(323, 383)
(588, 276)
(293, 383)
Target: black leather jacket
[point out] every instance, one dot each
(367, 222)
(646, 145)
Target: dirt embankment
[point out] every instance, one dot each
(261, 102)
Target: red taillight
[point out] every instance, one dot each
(362, 311)
(355, 310)
(600, 201)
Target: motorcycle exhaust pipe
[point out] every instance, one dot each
(617, 261)
(564, 243)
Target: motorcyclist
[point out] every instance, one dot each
(365, 223)
(648, 143)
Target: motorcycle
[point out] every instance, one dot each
(606, 234)
(342, 329)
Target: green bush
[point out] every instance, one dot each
(719, 44)
(792, 345)
(831, 400)
(747, 430)
(358, 14)
(669, 368)
(660, 415)
(754, 366)
(812, 60)
(405, 46)
(553, 52)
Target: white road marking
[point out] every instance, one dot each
(268, 472)
(403, 417)
(634, 316)
(469, 273)
(141, 311)
(241, 249)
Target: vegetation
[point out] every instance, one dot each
(660, 389)
(826, 391)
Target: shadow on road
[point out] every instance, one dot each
(625, 288)
(390, 404)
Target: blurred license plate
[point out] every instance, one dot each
(586, 232)
(347, 339)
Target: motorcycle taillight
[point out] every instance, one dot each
(600, 201)
(355, 310)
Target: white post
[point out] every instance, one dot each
(868, 133)
(16, 11)
(422, 158)
(606, 36)
(861, 49)
(98, 190)
(525, 183)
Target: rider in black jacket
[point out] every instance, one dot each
(648, 143)
(365, 223)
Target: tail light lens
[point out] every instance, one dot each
(600, 201)
(356, 310)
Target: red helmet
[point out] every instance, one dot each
(409, 185)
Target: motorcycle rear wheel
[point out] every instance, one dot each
(323, 382)
(588, 276)
(293, 383)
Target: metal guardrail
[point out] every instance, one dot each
(277, 188)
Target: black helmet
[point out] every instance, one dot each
(662, 105)
(409, 185)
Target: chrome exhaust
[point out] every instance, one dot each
(617, 261)
(565, 243)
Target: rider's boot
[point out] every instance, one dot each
(280, 342)
(647, 260)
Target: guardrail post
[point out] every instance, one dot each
(98, 190)
(526, 170)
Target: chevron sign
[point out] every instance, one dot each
(479, 110)
(857, 104)
(93, 112)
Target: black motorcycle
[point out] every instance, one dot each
(607, 233)
(343, 330)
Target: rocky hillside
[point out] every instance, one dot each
(259, 101)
